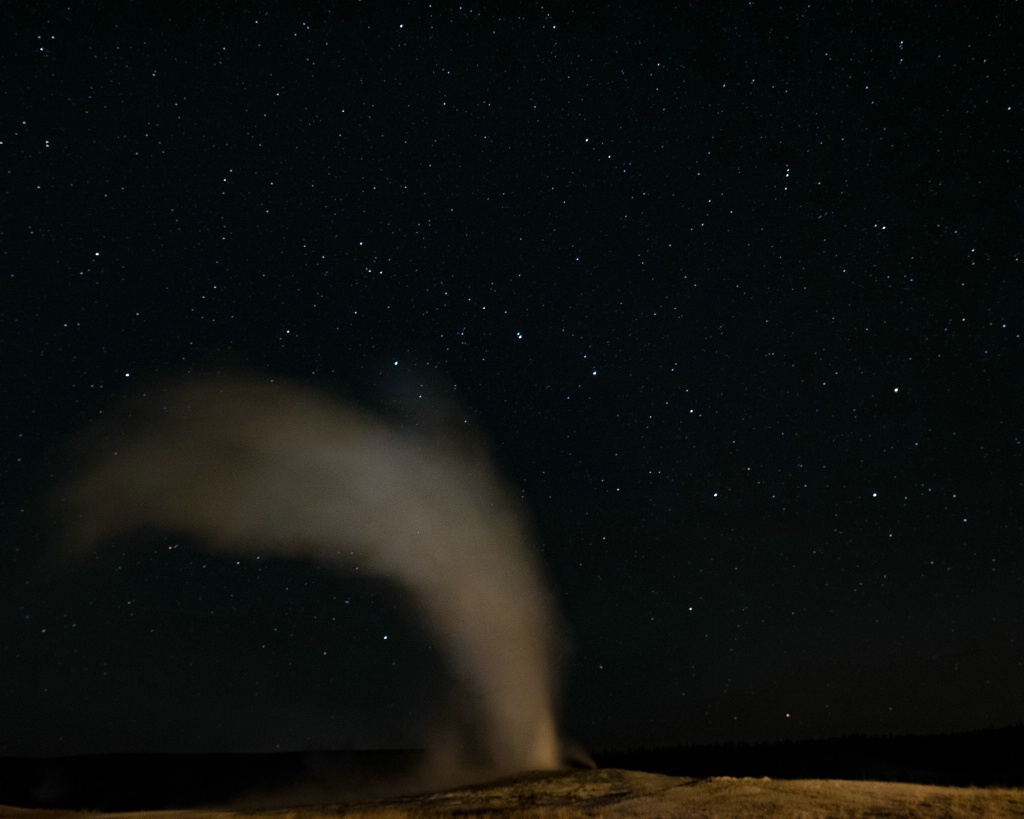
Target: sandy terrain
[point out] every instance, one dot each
(616, 793)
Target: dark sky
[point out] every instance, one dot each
(736, 290)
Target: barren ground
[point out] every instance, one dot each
(617, 793)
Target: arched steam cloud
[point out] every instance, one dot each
(257, 467)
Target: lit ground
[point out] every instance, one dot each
(616, 793)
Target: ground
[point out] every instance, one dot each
(618, 793)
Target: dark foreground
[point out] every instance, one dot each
(133, 782)
(617, 793)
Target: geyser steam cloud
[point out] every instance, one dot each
(253, 467)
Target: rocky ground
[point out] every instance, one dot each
(619, 793)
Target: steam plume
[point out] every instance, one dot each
(252, 467)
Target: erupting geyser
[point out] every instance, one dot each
(254, 466)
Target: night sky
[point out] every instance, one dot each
(735, 290)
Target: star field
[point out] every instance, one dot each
(735, 293)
